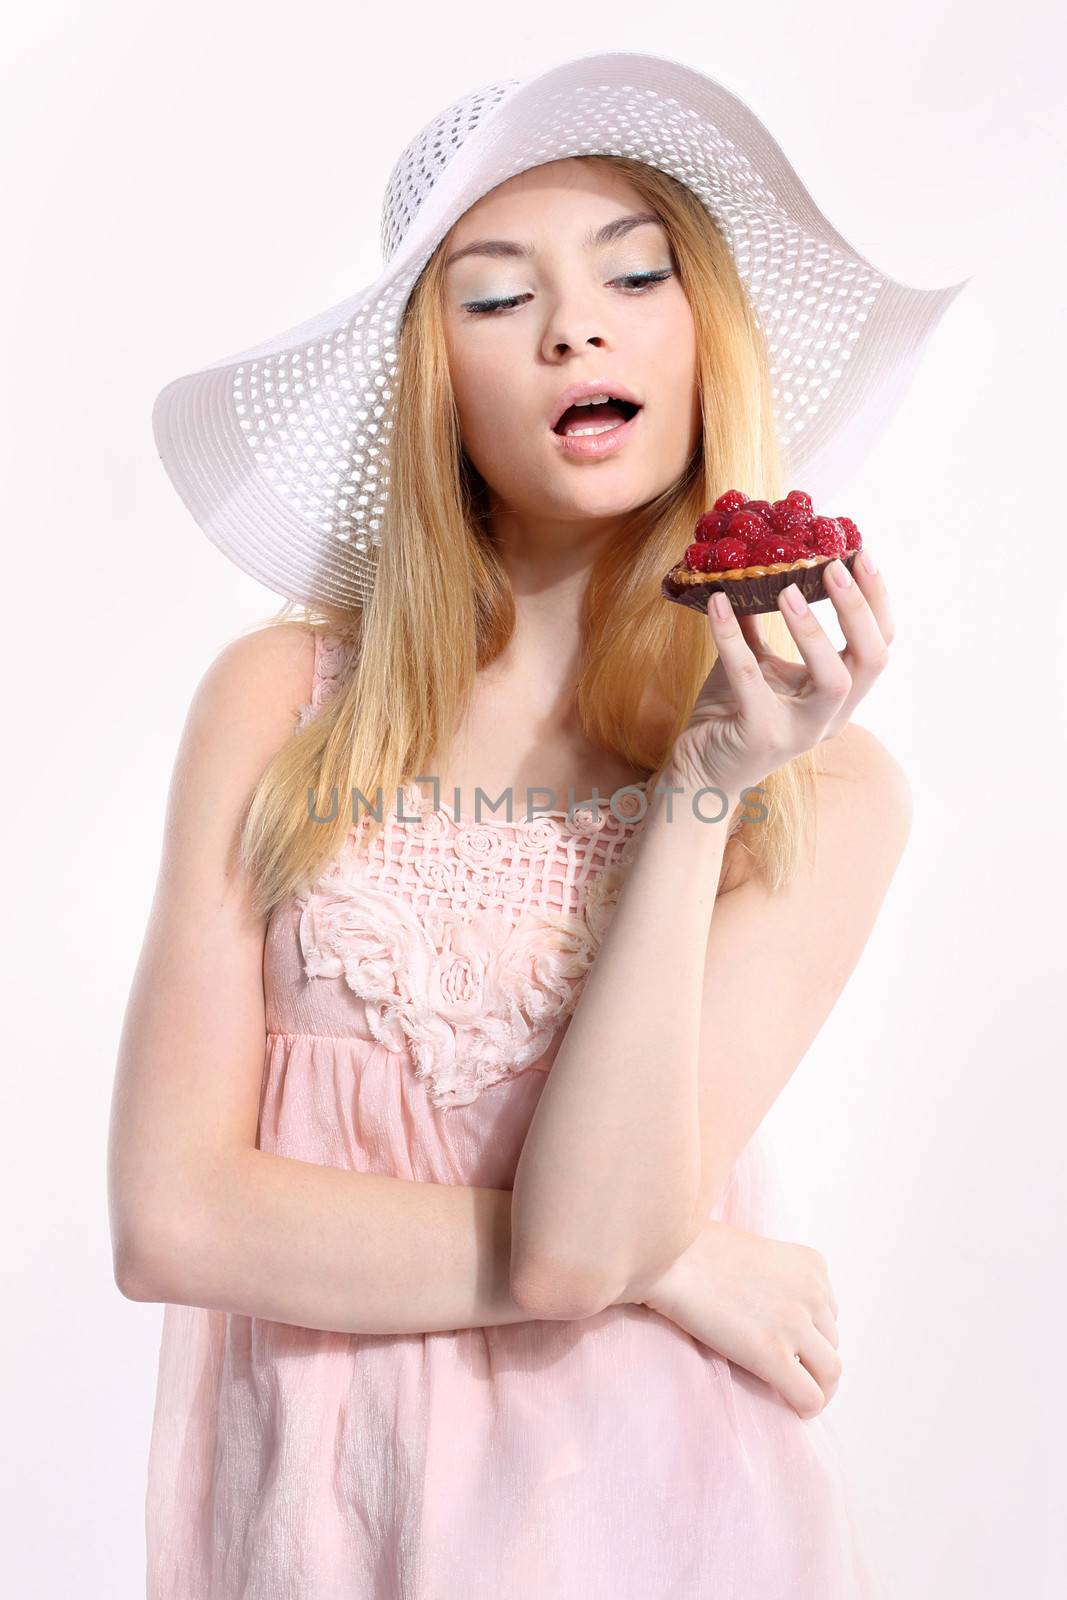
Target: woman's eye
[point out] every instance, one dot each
(641, 283)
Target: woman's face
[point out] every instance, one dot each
(582, 310)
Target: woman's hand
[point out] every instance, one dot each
(765, 1304)
(757, 711)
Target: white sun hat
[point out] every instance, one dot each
(281, 452)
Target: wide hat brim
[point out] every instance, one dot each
(281, 452)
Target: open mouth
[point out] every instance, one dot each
(585, 422)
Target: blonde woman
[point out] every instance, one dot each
(436, 1121)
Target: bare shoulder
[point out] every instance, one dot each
(241, 712)
(862, 821)
(863, 806)
(266, 671)
(812, 930)
(857, 773)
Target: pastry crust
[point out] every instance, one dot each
(683, 574)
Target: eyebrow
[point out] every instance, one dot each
(592, 241)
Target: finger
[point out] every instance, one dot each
(755, 697)
(866, 648)
(782, 1366)
(826, 1322)
(829, 677)
(876, 595)
(801, 1388)
(822, 1360)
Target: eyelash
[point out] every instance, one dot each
(647, 280)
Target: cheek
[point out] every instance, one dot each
(678, 343)
(482, 399)
(497, 433)
(675, 365)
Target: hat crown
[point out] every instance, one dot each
(423, 160)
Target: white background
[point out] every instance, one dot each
(182, 182)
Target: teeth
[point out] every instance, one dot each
(594, 400)
(605, 427)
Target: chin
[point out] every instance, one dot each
(623, 494)
(569, 491)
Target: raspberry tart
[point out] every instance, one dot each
(752, 549)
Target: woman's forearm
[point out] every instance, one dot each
(351, 1252)
(611, 1168)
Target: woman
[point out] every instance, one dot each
(440, 1321)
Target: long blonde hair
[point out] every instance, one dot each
(442, 607)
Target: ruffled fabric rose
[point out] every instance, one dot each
(474, 998)
(536, 835)
(621, 807)
(632, 802)
(436, 875)
(587, 819)
(601, 898)
(371, 941)
(478, 845)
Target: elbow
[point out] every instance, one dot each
(544, 1288)
(161, 1246)
(552, 1293)
(131, 1278)
(131, 1281)
(145, 1268)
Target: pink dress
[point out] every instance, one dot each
(415, 1000)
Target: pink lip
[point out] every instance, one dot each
(597, 444)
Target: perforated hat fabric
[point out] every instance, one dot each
(281, 452)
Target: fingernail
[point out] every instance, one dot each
(868, 563)
(794, 599)
(841, 575)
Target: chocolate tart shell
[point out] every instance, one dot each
(755, 591)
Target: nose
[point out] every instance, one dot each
(572, 325)
(560, 347)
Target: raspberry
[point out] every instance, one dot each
(788, 520)
(730, 500)
(853, 537)
(738, 532)
(828, 539)
(771, 548)
(746, 525)
(729, 552)
(700, 557)
(711, 525)
(762, 508)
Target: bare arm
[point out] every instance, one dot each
(199, 1215)
(609, 1173)
(592, 1208)
(804, 941)
(352, 1252)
